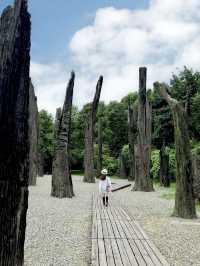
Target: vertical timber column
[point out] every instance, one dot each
(33, 136)
(62, 186)
(143, 181)
(100, 145)
(15, 30)
(89, 175)
(184, 199)
(132, 136)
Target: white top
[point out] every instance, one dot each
(104, 184)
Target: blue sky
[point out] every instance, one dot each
(55, 22)
(109, 38)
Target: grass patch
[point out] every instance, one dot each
(168, 196)
(78, 172)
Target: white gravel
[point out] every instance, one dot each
(59, 230)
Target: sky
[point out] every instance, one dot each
(109, 38)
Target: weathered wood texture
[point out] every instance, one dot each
(184, 200)
(40, 164)
(196, 181)
(33, 136)
(132, 136)
(143, 181)
(15, 30)
(122, 167)
(164, 167)
(100, 146)
(61, 175)
(89, 175)
(117, 239)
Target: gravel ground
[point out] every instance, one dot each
(59, 230)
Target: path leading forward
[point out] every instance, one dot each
(118, 240)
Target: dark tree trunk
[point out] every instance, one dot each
(15, 30)
(33, 136)
(61, 175)
(100, 145)
(89, 175)
(196, 183)
(143, 181)
(164, 167)
(122, 167)
(184, 201)
(132, 135)
(40, 164)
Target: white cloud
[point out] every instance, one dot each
(163, 37)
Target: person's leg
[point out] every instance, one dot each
(107, 200)
(104, 200)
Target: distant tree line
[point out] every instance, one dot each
(185, 87)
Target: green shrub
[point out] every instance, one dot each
(111, 164)
(155, 164)
(196, 150)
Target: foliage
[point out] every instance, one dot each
(184, 81)
(163, 130)
(172, 162)
(46, 138)
(196, 115)
(155, 163)
(196, 150)
(125, 154)
(109, 162)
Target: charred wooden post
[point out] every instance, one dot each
(100, 145)
(184, 200)
(122, 167)
(33, 136)
(40, 164)
(143, 181)
(61, 175)
(196, 179)
(89, 175)
(164, 167)
(15, 30)
(132, 136)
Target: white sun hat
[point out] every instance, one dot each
(104, 172)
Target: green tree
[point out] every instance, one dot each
(46, 139)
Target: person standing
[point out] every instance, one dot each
(105, 186)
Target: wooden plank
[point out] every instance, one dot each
(108, 247)
(140, 259)
(115, 248)
(147, 256)
(120, 239)
(152, 251)
(128, 250)
(121, 243)
(102, 252)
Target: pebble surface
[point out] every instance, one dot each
(59, 230)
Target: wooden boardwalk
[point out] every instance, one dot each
(118, 240)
